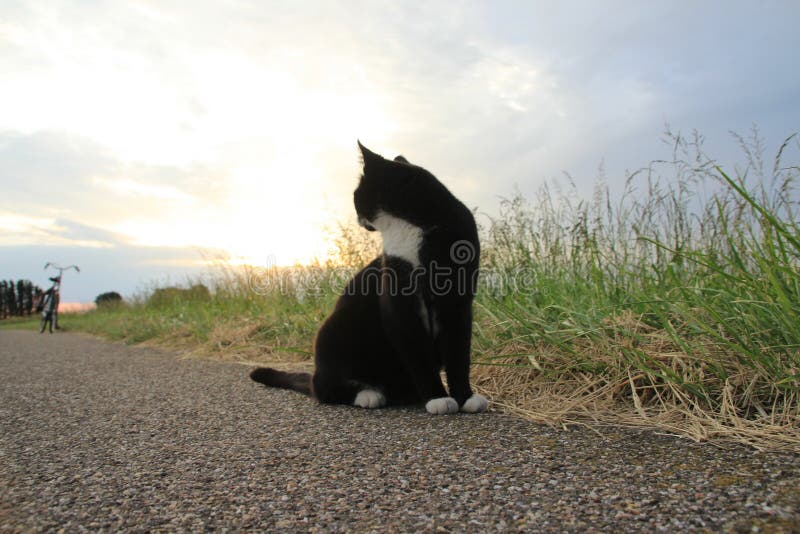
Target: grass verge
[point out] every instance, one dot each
(674, 304)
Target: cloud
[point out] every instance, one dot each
(506, 92)
(82, 234)
(126, 269)
(226, 124)
(23, 230)
(58, 188)
(132, 188)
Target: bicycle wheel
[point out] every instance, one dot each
(45, 319)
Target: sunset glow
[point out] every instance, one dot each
(265, 126)
(137, 136)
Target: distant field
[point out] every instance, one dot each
(674, 303)
(71, 307)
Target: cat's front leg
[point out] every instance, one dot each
(453, 343)
(414, 346)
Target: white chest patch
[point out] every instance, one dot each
(400, 237)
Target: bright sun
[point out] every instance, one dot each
(271, 213)
(289, 153)
(279, 129)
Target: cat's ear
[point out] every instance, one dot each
(401, 159)
(367, 155)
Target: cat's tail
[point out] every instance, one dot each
(281, 379)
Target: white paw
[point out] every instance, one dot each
(476, 403)
(441, 406)
(369, 398)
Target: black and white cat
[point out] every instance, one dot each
(406, 315)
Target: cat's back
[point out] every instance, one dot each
(362, 288)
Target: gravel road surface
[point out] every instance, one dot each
(104, 437)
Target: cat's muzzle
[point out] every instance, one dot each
(362, 221)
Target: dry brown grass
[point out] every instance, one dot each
(245, 342)
(623, 395)
(588, 401)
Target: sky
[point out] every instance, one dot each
(138, 139)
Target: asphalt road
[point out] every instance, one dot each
(104, 437)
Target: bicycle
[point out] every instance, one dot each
(49, 303)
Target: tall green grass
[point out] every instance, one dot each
(689, 281)
(677, 297)
(236, 318)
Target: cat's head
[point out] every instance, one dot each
(380, 183)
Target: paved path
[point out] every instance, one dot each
(101, 436)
